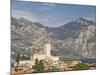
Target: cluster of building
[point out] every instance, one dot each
(45, 55)
(49, 60)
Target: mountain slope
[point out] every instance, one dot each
(73, 39)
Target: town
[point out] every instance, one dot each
(41, 62)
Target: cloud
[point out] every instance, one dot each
(22, 13)
(50, 4)
(51, 20)
(91, 16)
(44, 8)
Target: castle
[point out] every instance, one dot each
(47, 53)
(42, 56)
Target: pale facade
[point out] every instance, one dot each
(55, 58)
(42, 56)
(47, 53)
(47, 49)
(38, 56)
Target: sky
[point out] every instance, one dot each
(51, 14)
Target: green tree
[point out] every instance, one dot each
(81, 66)
(55, 69)
(17, 59)
(36, 65)
(36, 62)
(39, 66)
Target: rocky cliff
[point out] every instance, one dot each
(75, 39)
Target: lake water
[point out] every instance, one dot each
(93, 60)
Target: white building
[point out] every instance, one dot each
(47, 53)
(38, 56)
(42, 56)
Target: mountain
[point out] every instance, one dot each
(75, 39)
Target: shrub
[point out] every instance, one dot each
(81, 66)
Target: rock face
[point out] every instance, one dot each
(75, 39)
(86, 42)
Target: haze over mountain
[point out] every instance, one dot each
(75, 39)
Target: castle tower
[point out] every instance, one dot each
(47, 48)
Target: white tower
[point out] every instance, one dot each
(47, 51)
(47, 48)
